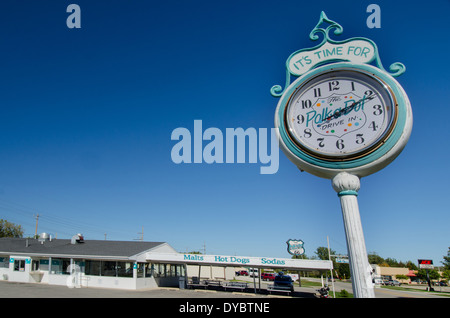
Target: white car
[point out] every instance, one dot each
(254, 272)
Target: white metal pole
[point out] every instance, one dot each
(347, 186)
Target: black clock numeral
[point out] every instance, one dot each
(359, 139)
(307, 133)
(317, 92)
(300, 119)
(368, 93)
(333, 85)
(373, 126)
(306, 103)
(353, 86)
(321, 144)
(378, 110)
(340, 144)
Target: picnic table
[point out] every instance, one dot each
(195, 282)
(236, 285)
(213, 283)
(278, 288)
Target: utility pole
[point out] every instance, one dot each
(36, 230)
(142, 235)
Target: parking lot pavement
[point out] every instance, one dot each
(30, 290)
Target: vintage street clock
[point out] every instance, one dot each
(343, 118)
(341, 113)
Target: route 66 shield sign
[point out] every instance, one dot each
(295, 247)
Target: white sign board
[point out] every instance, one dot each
(426, 264)
(356, 51)
(238, 261)
(342, 260)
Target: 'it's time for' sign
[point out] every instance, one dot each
(356, 51)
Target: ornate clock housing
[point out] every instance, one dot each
(341, 114)
(343, 117)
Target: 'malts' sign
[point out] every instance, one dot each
(247, 261)
(233, 259)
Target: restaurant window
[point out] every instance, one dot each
(149, 268)
(43, 264)
(140, 270)
(60, 266)
(4, 262)
(92, 268)
(168, 270)
(171, 270)
(109, 268)
(19, 265)
(160, 270)
(180, 271)
(35, 265)
(124, 269)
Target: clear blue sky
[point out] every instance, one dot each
(86, 117)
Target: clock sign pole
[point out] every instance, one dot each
(343, 118)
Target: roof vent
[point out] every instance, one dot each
(77, 238)
(43, 237)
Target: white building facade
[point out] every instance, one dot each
(132, 265)
(105, 264)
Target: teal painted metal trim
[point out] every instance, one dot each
(396, 68)
(378, 153)
(348, 192)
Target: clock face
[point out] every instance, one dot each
(341, 114)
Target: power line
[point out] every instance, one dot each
(36, 231)
(142, 235)
(64, 222)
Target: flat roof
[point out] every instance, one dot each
(64, 248)
(240, 261)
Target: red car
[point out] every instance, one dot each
(268, 276)
(241, 273)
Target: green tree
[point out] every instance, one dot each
(343, 270)
(322, 253)
(446, 274)
(446, 261)
(8, 229)
(401, 277)
(392, 262)
(375, 259)
(433, 274)
(411, 265)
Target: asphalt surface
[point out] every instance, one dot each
(30, 290)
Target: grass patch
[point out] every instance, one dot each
(307, 283)
(440, 293)
(344, 294)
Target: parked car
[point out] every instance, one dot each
(393, 282)
(378, 281)
(254, 272)
(241, 273)
(441, 284)
(284, 281)
(268, 276)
